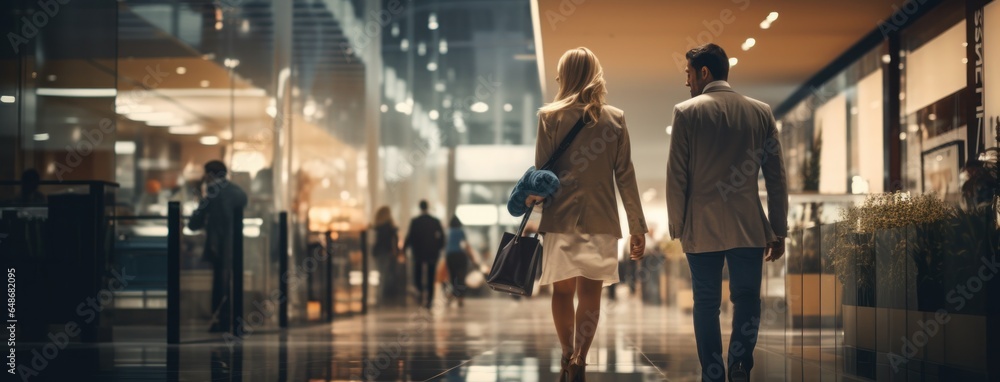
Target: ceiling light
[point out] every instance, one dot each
(184, 130)
(231, 62)
(245, 26)
(150, 116)
(41, 137)
(395, 30)
(443, 46)
(749, 43)
(204, 83)
(181, 70)
(7, 99)
(52, 77)
(439, 86)
(480, 107)
(432, 66)
(670, 130)
(932, 117)
(432, 21)
(965, 60)
(125, 147)
(902, 136)
(733, 61)
(886, 58)
(434, 115)
(384, 108)
(404, 45)
(765, 24)
(226, 135)
(421, 48)
(166, 123)
(77, 92)
(126, 109)
(508, 107)
(218, 25)
(772, 16)
(209, 140)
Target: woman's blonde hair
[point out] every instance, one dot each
(581, 81)
(383, 216)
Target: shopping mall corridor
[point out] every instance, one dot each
(489, 339)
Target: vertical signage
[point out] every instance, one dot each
(978, 138)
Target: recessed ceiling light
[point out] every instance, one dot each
(772, 16)
(384, 108)
(670, 129)
(209, 140)
(749, 43)
(480, 107)
(125, 147)
(733, 61)
(204, 83)
(432, 66)
(181, 70)
(434, 115)
(185, 130)
(508, 107)
(41, 137)
(886, 58)
(7, 99)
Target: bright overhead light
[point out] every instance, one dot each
(733, 61)
(404, 45)
(434, 115)
(432, 66)
(7, 99)
(508, 107)
(443, 46)
(439, 86)
(395, 30)
(184, 130)
(772, 16)
(125, 147)
(765, 24)
(166, 122)
(480, 107)
(421, 48)
(432, 22)
(150, 116)
(209, 140)
(384, 108)
(749, 43)
(41, 137)
(886, 58)
(204, 83)
(77, 92)
(181, 70)
(670, 130)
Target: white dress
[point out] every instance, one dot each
(568, 255)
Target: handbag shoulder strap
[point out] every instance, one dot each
(564, 145)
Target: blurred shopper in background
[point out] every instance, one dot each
(426, 240)
(388, 258)
(219, 200)
(459, 257)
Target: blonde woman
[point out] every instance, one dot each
(580, 222)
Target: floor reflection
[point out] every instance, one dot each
(488, 340)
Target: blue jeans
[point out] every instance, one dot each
(745, 267)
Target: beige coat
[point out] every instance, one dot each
(599, 158)
(721, 140)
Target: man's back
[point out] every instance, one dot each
(215, 215)
(426, 236)
(720, 142)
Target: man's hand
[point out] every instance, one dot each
(533, 199)
(637, 247)
(775, 249)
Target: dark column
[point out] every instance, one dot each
(283, 269)
(174, 272)
(891, 115)
(330, 253)
(364, 272)
(236, 291)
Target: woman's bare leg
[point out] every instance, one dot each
(588, 313)
(562, 313)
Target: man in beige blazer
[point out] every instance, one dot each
(721, 140)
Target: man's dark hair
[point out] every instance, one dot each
(423, 205)
(711, 56)
(216, 169)
(455, 222)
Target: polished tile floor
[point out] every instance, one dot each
(490, 339)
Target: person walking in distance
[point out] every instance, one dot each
(425, 238)
(721, 140)
(388, 257)
(219, 199)
(580, 222)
